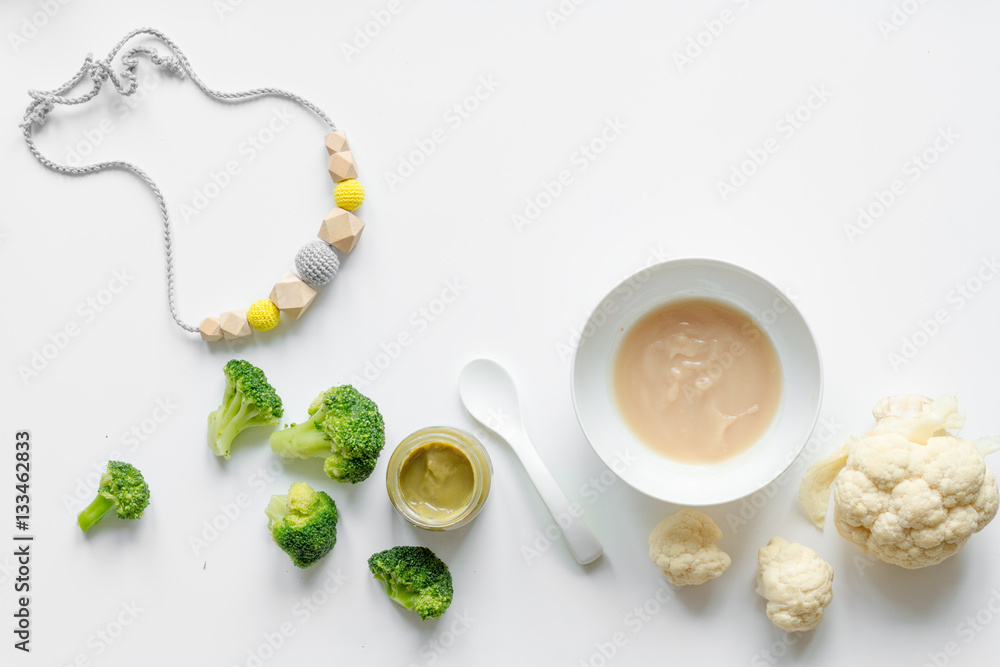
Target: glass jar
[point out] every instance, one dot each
(461, 442)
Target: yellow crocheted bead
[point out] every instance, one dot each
(349, 194)
(263, 315)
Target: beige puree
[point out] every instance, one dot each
(697, 381)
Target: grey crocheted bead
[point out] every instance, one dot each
(317, 263)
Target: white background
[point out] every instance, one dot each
(651, 193)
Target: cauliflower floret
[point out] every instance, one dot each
(683, 546)
(796, 582)
(910, 504)
(909, 492)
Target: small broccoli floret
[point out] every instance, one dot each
(123, 489)
(303, 523)
(249, 400)
(414, 578)
(345, 428)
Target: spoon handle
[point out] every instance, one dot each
(580, 540)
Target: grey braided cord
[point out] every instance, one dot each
(126, 83)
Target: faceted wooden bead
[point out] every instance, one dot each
(336, 142)
(341, 229)
(234, 324)
(211, 330)
(292, 295)
(342, 166)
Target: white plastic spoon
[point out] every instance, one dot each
(487, 390)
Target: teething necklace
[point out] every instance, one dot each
(316, 262)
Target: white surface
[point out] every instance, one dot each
(637, 464)
(651, 193)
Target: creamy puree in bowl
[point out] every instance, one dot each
(697, 381)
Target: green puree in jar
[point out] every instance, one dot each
(437, 480)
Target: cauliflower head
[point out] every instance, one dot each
(909, 492)
(683, 547)
(796, 582)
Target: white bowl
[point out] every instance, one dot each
(634, 462)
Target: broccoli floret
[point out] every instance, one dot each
(415, 578)
(123, 489)
(345, 428)
(249, 400)
(303, 523)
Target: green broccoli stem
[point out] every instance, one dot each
(230, 406)
(227, 413)
(301, 441)
(277, 508)
(400, 594)
(233, 422)
(95, 511)
(217, 422)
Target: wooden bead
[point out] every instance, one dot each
(342, 166)
(234, 324)
(341, 229)
(211, 330)
(336, 142)
(292, 296)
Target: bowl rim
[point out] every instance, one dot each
(715, 264)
